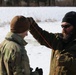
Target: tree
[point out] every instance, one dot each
(41, 1)
(15, 2)
(53, 2)
(28, 2)
(0, 2)
(74, 3)
(49, 2)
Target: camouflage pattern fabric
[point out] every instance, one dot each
(13, 56)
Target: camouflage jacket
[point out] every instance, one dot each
(63, 58)
(13, 56)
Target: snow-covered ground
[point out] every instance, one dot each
(50, 20)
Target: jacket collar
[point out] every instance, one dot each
(16, 38)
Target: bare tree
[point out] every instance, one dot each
(0, 2)
(49, 2)
(53, 2)
(44, 1)
(28, 2)
(74, 2)
(15, 2)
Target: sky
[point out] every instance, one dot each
(49, 19)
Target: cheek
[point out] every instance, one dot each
(26, 33)
(65, 31)
(69, 30)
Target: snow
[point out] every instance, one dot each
(50, 20)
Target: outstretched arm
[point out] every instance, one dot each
(42, 36)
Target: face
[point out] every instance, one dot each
(67, 29)
(23, 34)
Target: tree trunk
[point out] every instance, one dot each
(28, 2)
(49, 2)
(0, 2)
(74, 3)
(53, 2)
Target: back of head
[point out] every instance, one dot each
(70, 17)
(19, 24)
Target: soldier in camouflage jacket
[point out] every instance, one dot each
(13, 56)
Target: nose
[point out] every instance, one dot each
(63, 28)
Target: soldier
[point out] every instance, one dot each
(63, 59)
(13, 56)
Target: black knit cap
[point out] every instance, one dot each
(70, 17)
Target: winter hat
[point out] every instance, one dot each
(70, 17)
(19, 24)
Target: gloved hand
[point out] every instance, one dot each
(31, 69)
(31, 20)
(39, 70)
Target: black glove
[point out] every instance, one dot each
(31, 69)
(31, 20)
(39, 70)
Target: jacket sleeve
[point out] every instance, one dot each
(20, 62)
(43, 37)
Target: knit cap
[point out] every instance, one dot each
(70, 17)
(19, 24)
